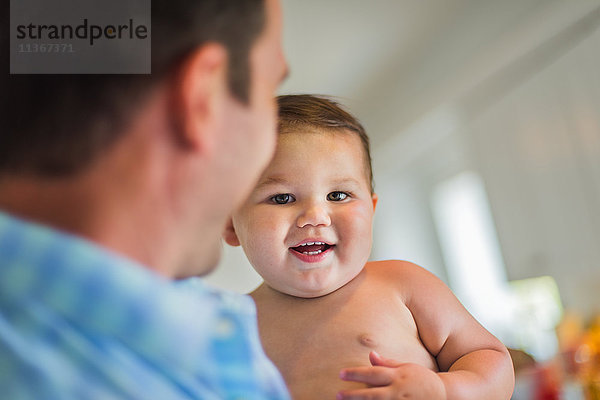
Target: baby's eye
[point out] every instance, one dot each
(282, 198)
(337, 196)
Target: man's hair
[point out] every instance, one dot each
(56, 125)
(302, 111)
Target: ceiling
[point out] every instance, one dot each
(395, 63)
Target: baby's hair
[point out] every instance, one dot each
(301, 111)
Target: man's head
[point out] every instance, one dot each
(306, 227)
(151, 166)
(55, 125)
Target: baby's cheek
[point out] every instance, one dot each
(358, 215)
(263, 233)
(356, 225)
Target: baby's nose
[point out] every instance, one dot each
(314, 215)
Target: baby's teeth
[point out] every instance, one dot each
(312, 253)
(311, 243)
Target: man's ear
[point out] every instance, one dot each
(229, 234)
(374, 197)
(200, 84)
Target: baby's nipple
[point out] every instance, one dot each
(367, 340)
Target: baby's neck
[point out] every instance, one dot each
(266, 294)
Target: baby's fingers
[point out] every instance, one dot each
(374, 376)
(380, 393)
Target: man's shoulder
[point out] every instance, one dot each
(76, 320)
(227, 299)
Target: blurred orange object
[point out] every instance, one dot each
(588, 357)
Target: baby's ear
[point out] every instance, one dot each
(229, 235)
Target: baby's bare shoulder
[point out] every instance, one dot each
(397, 269)
(402, 277)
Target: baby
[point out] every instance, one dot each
(336, 325)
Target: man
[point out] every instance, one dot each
(111, 187)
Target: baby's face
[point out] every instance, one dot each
(306, 227)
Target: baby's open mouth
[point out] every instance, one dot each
(312, 248)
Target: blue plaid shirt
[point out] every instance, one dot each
(79, 322)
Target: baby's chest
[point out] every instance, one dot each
(359, 332)
(349, 333)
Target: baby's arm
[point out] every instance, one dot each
(473, 363)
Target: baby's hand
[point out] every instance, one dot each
(389, 379)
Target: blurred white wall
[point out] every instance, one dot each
(507, 89)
